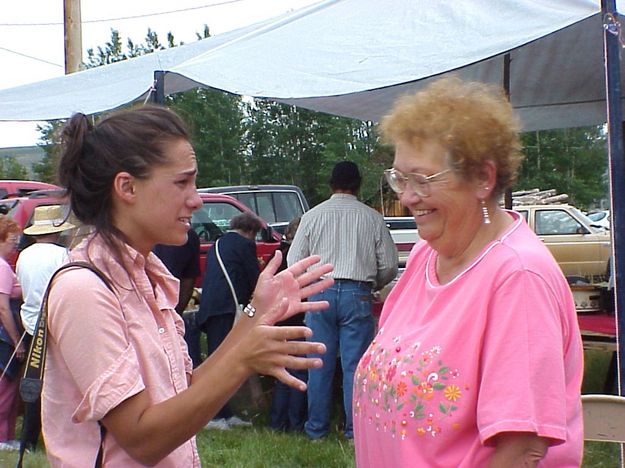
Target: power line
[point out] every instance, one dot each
(30, 57)
(122, 18)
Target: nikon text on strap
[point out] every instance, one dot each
(30, 386)
(32, 382)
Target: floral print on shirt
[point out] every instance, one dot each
(407, 390)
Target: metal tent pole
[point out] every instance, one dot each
(506, 86)
(159, 87)
(611, 43)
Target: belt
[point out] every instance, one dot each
(362, 283)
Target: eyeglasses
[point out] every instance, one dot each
(419, 183)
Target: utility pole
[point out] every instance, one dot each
(73, 35)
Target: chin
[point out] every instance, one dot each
(178, 240)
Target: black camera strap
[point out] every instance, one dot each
(32, 382)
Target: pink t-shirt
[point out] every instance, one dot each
(497, 349)
(8, 280)
(104, 348)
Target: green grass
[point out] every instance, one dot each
(259, 447)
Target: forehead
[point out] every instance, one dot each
(419, 155)
(180, 156)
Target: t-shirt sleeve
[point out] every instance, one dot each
(84, 315)
(522, 378)
(7, 279)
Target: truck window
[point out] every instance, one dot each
(247, 199)
(265, 208)
(288, 206)
(556, 222)
(212, 220)
(273, 207)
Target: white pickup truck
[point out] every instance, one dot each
(580, 249)
(404, 233)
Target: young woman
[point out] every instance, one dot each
(118, 358)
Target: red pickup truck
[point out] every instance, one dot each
(209, 222)
(213, 219)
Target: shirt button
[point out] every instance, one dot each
(161, 330)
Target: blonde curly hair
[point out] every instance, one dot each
(473, 121)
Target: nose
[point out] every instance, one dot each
(195, 201)
(408, 197)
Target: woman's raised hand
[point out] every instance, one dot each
(293, 284)
(267, 349)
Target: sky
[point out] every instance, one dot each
(31, 35)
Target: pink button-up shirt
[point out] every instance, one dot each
(105, 347)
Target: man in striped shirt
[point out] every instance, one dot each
(355, 239)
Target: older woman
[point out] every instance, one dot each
(11, 347)
(478, 360)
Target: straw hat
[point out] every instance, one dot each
(48, 219)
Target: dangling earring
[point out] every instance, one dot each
(485, 215)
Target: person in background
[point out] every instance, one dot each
(12, 347)
(118, 380)
(216, 316)
(183, 261)
(355, 239)
(478, 360)
(288, 405)
(35, 266)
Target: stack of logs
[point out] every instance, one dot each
(538, 197)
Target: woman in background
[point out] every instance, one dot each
(217, 312)
(478, 361)
(12, 349)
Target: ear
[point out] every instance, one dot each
(124, 187)
(486, 179)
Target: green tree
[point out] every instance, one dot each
(287, 144)
(215, 120)
(11, 169)
(572, 161)
(45, 170)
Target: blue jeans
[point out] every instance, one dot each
(346, 328)
(288, 405)
(217, 328)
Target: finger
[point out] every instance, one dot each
(288, 333)
(310, 306)
(316, 288)
(303, 363)
(296, 363)
(303, 348)
(300, 267)
(272, 266)
(314, 274)
(283, 376)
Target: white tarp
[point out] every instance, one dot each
(353, 57)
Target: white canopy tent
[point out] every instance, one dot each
(353, 57)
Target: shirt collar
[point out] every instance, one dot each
(344, 195)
